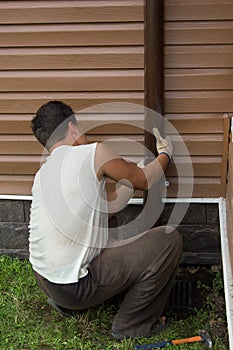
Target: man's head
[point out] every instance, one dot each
(51, 122)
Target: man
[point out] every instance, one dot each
(75, 262)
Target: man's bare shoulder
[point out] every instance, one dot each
(105, 153)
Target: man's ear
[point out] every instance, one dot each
(73, 128)
(77, 133)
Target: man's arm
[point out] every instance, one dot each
(129, 176)
(109, 164)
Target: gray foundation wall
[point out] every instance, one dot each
(199, 228)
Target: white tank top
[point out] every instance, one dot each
(69, 220)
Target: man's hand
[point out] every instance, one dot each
(163, 145)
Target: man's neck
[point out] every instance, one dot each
(61, 143)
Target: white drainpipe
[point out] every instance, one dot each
(226, 262)
(227, 269)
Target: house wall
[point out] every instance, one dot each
(81, 52)
(199, 87)
(91, 52)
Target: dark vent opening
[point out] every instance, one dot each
(180, 296)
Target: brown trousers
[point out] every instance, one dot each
(144, 270)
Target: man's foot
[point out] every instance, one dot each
(120, 336)
(160, 325)
(62, 310)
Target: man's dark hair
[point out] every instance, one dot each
(50, 123)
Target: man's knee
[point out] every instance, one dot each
(170, 236)
(175, 239)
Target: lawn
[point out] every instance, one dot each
(27, 322)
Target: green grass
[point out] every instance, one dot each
(27, 322)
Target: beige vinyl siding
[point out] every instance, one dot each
(81, 52)
(91, 52)
(199, 88)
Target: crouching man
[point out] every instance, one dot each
(73, 261)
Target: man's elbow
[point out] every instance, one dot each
(141, 181)
(145, 186)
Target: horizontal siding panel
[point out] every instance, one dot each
(198, 145)
(11, 165)
(29, 102)
(73, 80)
(15, 124)
(198, 10)
(30, 164)
(199, 56)
(133, 146)
(125, 147)
(199, 79)
(16, 184)
(22, 184)
(123, 129)
(72, 58)
(191, 33)
(27, 144)
(193, 123)
(19, 144)
(198, 101)
(70, 11)
(103, 110)
(118, 139)
(203, 187)
(113, 123)
(117, 34)
(91, 123)
(202, 166)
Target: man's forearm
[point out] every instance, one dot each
(155, 169)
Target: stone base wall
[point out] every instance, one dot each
(199, 228)
(14, 218)
(201, 233)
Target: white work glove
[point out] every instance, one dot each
(163, 145)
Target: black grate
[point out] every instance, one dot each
(180, 296)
